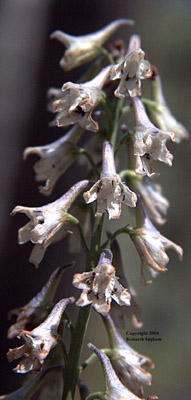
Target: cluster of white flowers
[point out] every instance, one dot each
(102, 282)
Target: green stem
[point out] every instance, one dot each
(92, 358)
(108, 114)
(65, 355)
(75, 221)
(105, 53)
(87, 362)
(116, 117)
(149, 102)
(71, 374)
(121, 143)
(108, 242)
(97, 395)
(90, 159)
(125, 110)
(129, 173)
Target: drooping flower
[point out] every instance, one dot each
(101, 285)
(55, 159)
(37, 309)
(47, 223)
(32, 385)
(109, 191)
(133, 311)
(160, 113)
(115, 390)
(127, 362)
(155, 203)
(39, 341)
(82, 49)
(131, 70)
(77, 102)
(152, 246)
(149, 142)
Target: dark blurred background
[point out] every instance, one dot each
(29, 66)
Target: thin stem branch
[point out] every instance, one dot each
(116, 117)
(92, 358)
(125, 110)
(121, 143)
(90, 159)
(149, 102)
(97, 395)
(107, 243)
(65, 355)
(129, 173)
(75, 221)
(105, 53)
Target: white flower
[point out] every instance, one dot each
(131, 70)
(47, 223)
(56, 157)
(39, 341)
(161, 115)
(109, 191)
(81, 49)
(126, 362)
(115, 390)
(77, 102)
(133, 312)
(154, 202)
(152, 246)
(101, 285)
(37, 309)
(149, 142)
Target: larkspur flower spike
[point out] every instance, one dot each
(82, 49)
(39, 341)
(115, 390)
(55, 159)
(149, 142)
(100, 286)
(109, 191)
(160, 113)
(131, 70)
(77, 101)
(47, 223)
